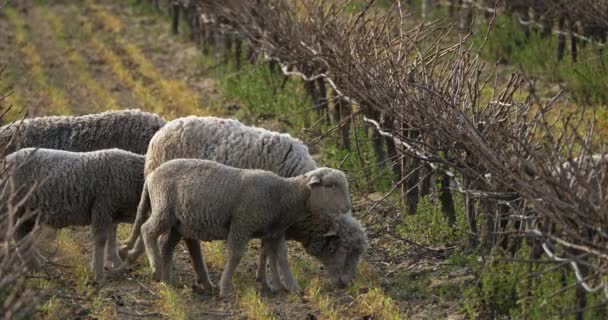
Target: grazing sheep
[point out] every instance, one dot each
(229, 142)
(338, 242)
(98, 188)
(206, 200)
(129, 130)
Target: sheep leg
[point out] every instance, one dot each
(260, 274)
(269, 248)
(100, 238)
(236, 247)
(101, 227)
(112, 257)
(198, 263)
(149, 237)
(150, 231)
(166, 252)
(280, 255)
(131, 255)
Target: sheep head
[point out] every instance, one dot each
(339, 249)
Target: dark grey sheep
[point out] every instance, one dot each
(129, 130)
(98, 188)
(206, 200)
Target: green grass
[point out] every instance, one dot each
(429, 226)
(173, 301)
(254, 305)
(537, 54)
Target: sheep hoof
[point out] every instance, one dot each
(206, 284)
(123, 251)
(295, 289)
(225, 291)
(114, 263)
(270, 288)
(98, 281)
(259, 276)
(156, 275)
(120, 268)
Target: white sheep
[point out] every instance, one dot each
(130, 130)
(230, 142)
(98, 188)
(206, 200)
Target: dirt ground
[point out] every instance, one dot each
(83, 68)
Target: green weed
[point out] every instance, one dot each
(429, 226)
(537, 55)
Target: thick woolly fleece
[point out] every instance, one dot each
(206, 200)
(229, 142)
(129, 130)
(98, 188)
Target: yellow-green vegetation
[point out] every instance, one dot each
(377, 304)
(148, 99)
(173, 301)
(178, 98)
(215, 255)
(13, 99)
(253, 304)
(69, 246)
(53, 309)
(58, 103)
(101, 310)
(111, 23)
(103, 99)
(325, 303)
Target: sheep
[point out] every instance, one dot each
(206, 200)
(129, 130)
(229, 142)
(338, 242)
(98, 188)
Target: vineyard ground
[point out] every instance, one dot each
(88, 59)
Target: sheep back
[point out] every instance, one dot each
(129, 130)
(229, 142)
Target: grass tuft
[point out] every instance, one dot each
(256, 308)
(173, 301)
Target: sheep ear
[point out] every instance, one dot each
(330, 233)
(314, 180)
